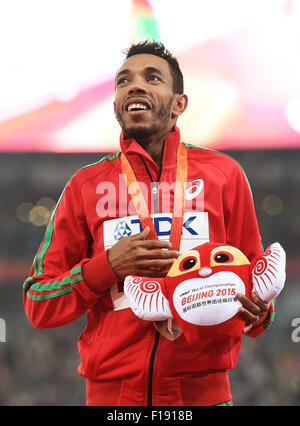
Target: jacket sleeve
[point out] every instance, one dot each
(243, 232)
(64, 282)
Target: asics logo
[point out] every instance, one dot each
(194, 189)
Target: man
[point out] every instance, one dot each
(96, 237)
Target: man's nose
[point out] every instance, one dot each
(136, 88)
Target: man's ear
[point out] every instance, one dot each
(180, 103)
(115, 112)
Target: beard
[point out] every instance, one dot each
(140, 132)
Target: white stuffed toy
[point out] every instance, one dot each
(199, 291)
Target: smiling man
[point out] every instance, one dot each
(88, 251)
(149, 99)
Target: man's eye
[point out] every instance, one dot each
(122, 81)
(154, 78)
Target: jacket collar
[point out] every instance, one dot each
(131, 147)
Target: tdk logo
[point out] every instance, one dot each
(162, 226)
(195, 229)
(122, 230)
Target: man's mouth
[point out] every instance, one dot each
(136, 106)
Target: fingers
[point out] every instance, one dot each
(255, 306)
(135, 255)
(247, 328)
(251, 310)
(141, 235)
(152, 273)
(263, 306)
(156, 263)
(154, 267)
(140, 240)
(152, 244)
(161, 254)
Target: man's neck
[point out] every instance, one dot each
(154, 149)
(153, 144)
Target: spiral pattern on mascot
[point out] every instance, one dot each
(135, 280)
(150, 286)
(260, 266)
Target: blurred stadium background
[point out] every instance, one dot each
(241, 65)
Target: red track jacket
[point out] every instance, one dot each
(125, 361)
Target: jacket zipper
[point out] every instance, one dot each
(150, 369)
(154, 191)
(154, 185)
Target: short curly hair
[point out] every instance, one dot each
(158, 49)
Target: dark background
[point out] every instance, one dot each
(39, 367)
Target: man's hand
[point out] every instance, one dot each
(252, 310)
(135, 255)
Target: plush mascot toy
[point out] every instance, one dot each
(199, 290)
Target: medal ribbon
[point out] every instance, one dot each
(179, 197)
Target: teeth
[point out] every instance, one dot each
(136, 106)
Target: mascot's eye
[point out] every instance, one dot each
(188, 263)
(223, 257)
